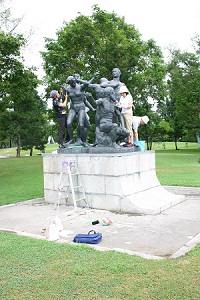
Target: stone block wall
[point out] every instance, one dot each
(121, 182)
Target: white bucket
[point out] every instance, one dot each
(52, 231)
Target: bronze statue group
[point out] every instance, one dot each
(113, 108)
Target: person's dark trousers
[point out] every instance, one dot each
(67, 138)
(62, 123)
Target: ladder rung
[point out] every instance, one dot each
(84, 198)
(77, 186)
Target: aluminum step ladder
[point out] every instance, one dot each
(70, 180)
(63, 186)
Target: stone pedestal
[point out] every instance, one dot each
(119, 182)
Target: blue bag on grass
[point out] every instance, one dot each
(89, 238)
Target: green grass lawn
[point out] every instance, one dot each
(21, 178)
(178, 168)
(36, 269)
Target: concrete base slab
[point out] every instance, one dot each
(170, 234)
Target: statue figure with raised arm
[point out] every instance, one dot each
(115, 82)
(77, 110)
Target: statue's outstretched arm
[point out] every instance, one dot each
(94, 77)
(90, 97)
(87, 103)
(88, 82)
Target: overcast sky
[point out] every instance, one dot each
(168, 22)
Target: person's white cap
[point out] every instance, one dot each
(123, 89)
(145, 119)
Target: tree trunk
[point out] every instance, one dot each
(149, 142)
(31, 151)
(198, 139)
(18, 146)
(176, 145)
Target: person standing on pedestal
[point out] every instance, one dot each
(59, 108)
(126, 104)
(137, 121)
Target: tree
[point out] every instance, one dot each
(10, 63)
(7, 22)
(100, 43)
(184, 94)
(23, 115)
(21, 109)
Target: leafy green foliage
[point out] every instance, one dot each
(9, 61)
(184, 94)
(21, 109)
(100, 43)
